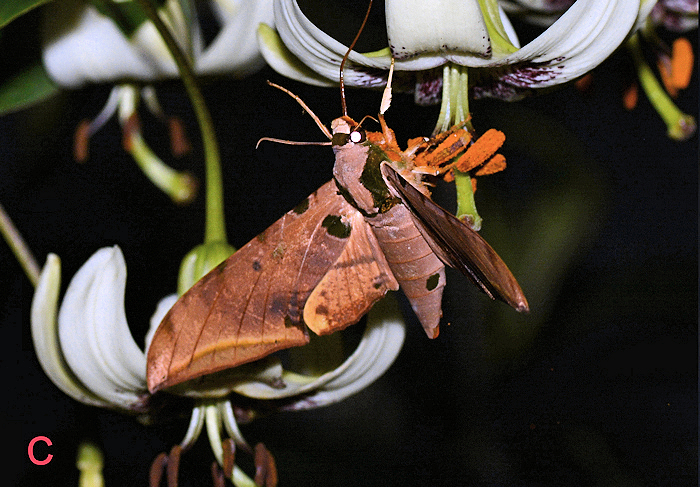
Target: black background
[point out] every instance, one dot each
(598, 385)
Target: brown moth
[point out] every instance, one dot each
(322, 266)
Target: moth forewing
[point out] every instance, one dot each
(253, 303)
(456, 243)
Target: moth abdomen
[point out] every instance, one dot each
(413, 264)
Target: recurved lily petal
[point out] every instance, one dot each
(676, 15)
(84, 45)
(379, 347)
(44, 327)
(94, 334)
(235, 49)
(583, 37)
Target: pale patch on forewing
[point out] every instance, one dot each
(357, 280)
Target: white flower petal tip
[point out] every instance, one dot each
(94, 334)
(88, 352)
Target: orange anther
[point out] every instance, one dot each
(682, 62)
(179, 143)
(584, 82)
(630, 96)
(481, 150)
(675, 71)
(81, 141)
(495, 164)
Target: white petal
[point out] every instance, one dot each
(94, 335)
(377, 351)
(162, 308)
(45, 335)
(575, 44)
(417, 27)
(235, 48)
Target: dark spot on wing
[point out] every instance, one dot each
(302, 207)
(335, 226)
(432, 282)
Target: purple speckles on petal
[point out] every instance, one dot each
(428, 87)
(516, 81)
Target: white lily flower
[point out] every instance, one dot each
(87, 351)
(83, 45)
(675, 15)
(425, 35)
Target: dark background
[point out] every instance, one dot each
(596, 215)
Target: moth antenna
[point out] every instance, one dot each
(289, 142)
(386, 96)
(345, 58)
(306, 108)
(365, 118)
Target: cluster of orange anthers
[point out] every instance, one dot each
(456, 148)
(265, 467)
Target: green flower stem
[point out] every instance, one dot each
(215, 226)
(19, 247)
(455, 109)
(180, 186)
(680, 126)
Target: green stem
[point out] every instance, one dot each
(215, 226)
(680, 125)
(19, 247)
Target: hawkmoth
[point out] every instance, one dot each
(322, 266)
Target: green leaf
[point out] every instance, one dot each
(11, 9)
(28, 87)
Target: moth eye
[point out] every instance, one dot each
(358, 136)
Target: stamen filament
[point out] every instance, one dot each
(455, 109)
(180, 186)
